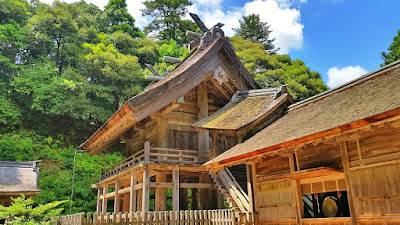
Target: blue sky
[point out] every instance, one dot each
(341, 39)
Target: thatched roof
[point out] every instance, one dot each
(245, 107)
(18, 177)
(369, 98)
(184, 77)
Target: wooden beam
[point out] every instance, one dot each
(146, 189)
(153, 78)
(104, 205)
(132, 198)
(192, 34)
(175, 193)
(170, 59)
(152, 70)
(199, 22)
(346, 167)
(220, 89)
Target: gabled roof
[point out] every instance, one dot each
(372, 97)
(184, 77)
(245, 107)
(18, 177)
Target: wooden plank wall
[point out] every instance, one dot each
(276, 202)
(375, 175)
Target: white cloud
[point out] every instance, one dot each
(283, 20)
(338, 76)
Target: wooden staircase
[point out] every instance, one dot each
(231, 190)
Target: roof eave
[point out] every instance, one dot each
(222, 163)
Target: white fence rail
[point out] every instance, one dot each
(188, 217)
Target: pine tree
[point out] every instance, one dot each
(394, 51)
(253, 29)
(167, 19)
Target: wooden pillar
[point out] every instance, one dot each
(183, 199)
(116, 197)
(250, 187)
(214, 150)
(297, 187)
(202, 112)
(139, 199)
(146, 189)
(104, 205)
(132, 193)
(125, 203)
(346, 167)
(162, 131)
(161, 194)
(98, 206)
(175, 193)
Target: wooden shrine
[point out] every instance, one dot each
(174, 126)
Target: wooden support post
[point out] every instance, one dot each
(116, 197)
(175, 193)
(132, 198)
(162, 131)
(250, 187)
(346, 167)
(104, 205)
(146, 189)
(98, 207)
(202, 112)
(147, 151)
(214, 151)
(161, 194)
(125, 203)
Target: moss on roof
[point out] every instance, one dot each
(244, 109)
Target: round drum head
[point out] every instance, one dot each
(329, 207)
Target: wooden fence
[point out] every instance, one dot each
(188, 217)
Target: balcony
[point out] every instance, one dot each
(156, 155)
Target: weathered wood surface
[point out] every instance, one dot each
(192, 217)
(160, 155)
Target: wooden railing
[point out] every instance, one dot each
(160, 155)
(235, 190)
(192, 217)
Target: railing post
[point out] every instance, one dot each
(147, 151)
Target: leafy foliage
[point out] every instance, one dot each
(118, 19)
(394, 51)
(274, 70)
(23, 212)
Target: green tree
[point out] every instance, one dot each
(113, 77)
(394, 51)
(118, 19)
(274, 70)
(22, 212)
(145, 49)
(13, 10)
(253, 29)
(167, 20)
